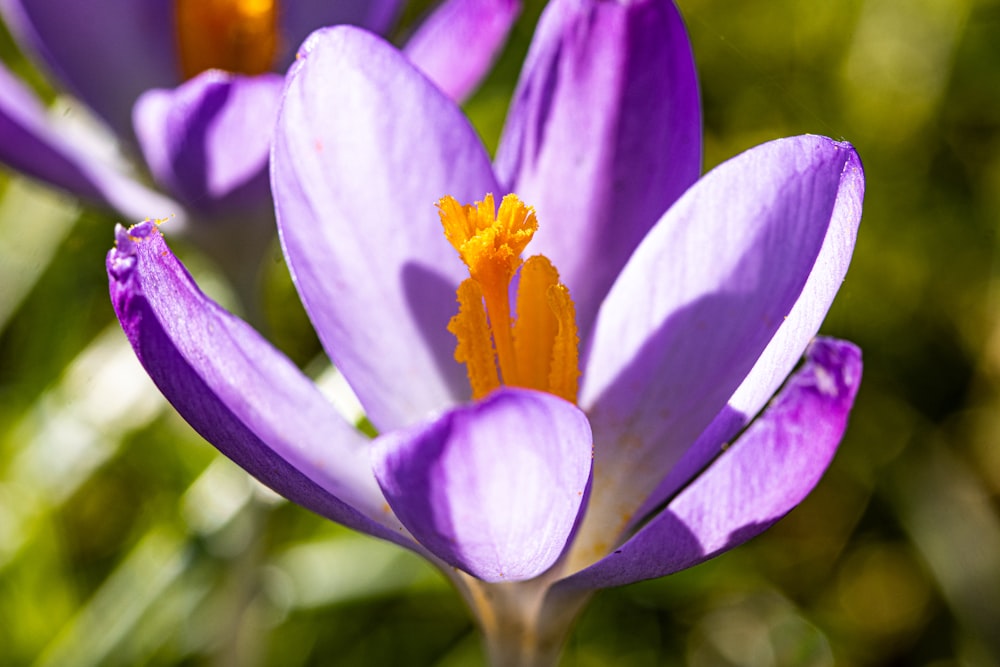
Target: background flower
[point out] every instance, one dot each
(201, 135)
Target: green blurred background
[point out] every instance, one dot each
(125, 540)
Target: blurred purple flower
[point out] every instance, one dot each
(189, 90)
(695, 299)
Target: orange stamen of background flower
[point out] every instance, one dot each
(238, 36)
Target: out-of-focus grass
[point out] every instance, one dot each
(125, 540)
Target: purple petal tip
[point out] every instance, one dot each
(835, 368)
(122, 258)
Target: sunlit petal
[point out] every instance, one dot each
(603, 135)
(493, 488)
(355, 188)
(697, 305)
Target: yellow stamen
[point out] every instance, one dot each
(235, 35)
(470, 328)
(564, 374)
(538, 349)
(536, 326)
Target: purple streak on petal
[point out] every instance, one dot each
(31, 143)
(695, 308)
(209, 139)
(298, 18)
(106, 52)
(493, 488)
(766, 473)
(457, 44)
(785, 349)
(364, 148)
(240, 393)
(604, 134)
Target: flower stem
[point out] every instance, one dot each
(520, 629)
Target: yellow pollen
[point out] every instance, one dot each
(238, 36)
(537, 345)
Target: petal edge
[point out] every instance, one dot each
(238, 392)
(772, 467)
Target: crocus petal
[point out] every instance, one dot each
(106, 53)
(784, 350)
(364, 148)
(238, 392)
(300, 17)
(457, 44)
(209, 139)
(604, 134)
(696, 306)
(493, 488)
(766, 473)
(32, 143)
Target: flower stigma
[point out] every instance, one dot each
(536, 346)
(239, 36)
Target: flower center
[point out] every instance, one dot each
(235, 35)
(536, 346)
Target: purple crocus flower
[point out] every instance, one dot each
(540, 471)
(190, 88)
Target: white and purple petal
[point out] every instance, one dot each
(493, 488)
(364, 147)
(769, 470)
(239, 392)
(208, 140)
(697, 305)
(603, 135)
(32, 143)
(457, 43)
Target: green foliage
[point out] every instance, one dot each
(125, 540)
